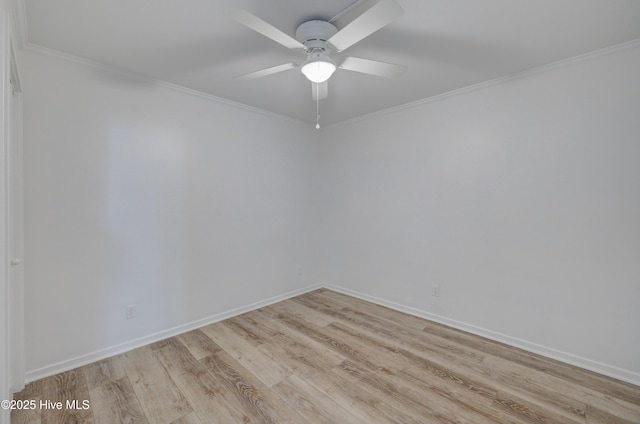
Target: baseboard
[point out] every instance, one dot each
(588, 364)
(88, 358)
(600, 368)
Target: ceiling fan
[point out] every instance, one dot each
(322, 42)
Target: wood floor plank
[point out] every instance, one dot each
(115, 402)
(27, 416)
(312, 404)
(108, 370)
(359, 400)
(301, 311)
(256, 397)
(210, 400)
(259, 363)
(566, 395)
(606, 385)
(571, 407)
(245, 331)
(462, 400)
(466, 377)
(601, 417)
(66, 387)
(198, 344)
(392, 393)
(326, 357)
(325, 337)
(318, 334)
(467, 363)
(453, 372)
(390, 328)
(387, 360)
(161, 400)
(191, 418)
(298, 349)
(31, 392)
(343, 300)
(439, 384)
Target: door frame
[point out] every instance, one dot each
(11, 287)
(15, 221)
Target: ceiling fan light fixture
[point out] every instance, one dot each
(318, 69)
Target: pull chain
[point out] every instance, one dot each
(317, 107)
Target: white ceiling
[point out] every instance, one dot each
(446, 44)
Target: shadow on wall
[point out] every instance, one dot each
(145, 220)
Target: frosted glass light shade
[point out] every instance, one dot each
(318, 70)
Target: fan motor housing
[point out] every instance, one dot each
(314, 34)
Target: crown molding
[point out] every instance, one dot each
(18, 11)
(160, 83)
(497, 81)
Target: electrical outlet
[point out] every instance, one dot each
(436, 291)
(300, 271)
(131, 311)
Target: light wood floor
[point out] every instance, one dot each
(324, 357)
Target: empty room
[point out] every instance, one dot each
(337, 211)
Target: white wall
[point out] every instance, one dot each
(140, 194)
(521, 200)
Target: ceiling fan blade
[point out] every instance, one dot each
(320, 91)
(374, 18)
(373, 67)
(267, 71)
(253, 22)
